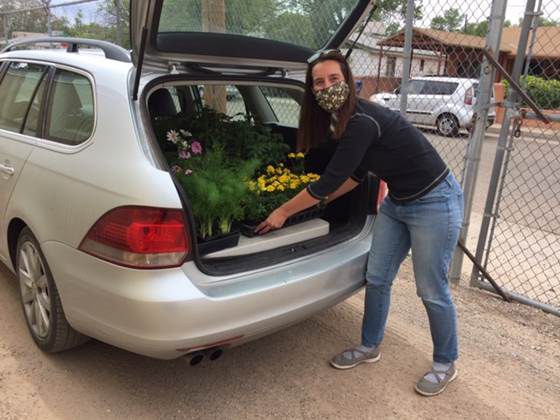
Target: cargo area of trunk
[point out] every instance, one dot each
(274, 104)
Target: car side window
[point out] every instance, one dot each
(284, 106)
(32, 120)
(16, 93)
(415, 87)
(439, 88)
(71, 115)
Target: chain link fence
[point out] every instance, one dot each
(444, 70)
(520, 241)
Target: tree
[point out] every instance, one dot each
(116, 16)
(32, 21)
(393, 28)
(542, 21)
(476, 28)
(451, 21)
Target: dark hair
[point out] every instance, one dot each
(314, 121)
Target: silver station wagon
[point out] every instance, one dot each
(96, 227)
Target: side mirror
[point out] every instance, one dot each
(397, 91)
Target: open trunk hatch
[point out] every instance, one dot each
(263, 34)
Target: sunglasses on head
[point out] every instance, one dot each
(323, 53)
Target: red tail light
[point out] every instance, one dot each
(139, 237)
(469, 95)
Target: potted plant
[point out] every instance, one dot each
(215, 186)
(272, 188)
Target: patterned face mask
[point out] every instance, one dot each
(333, 97)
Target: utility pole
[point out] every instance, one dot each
(47, 6)
(407, 56)
(118, 6)
(214, 20)
(6, 24)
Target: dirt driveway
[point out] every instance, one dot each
(509, 368)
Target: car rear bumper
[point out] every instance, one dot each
(163, 314)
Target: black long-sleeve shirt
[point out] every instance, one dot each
(381, 141)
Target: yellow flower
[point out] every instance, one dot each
(252, 185)
(294, 185)
(262, 188)
(279, 171)
(281, 188)
(284, 179)
(270, 169)
(291, 155)
(270, 188)
(304, 179)
(300, 155)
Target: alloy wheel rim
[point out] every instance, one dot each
(446, 125)
(34, 290)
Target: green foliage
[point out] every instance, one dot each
(240, 139)
(216, 180)
(545, 93)
(217, 190)
(477, 28)
(450, 21)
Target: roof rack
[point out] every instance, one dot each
(111, 51)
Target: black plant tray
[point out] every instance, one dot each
(218, 242)
(248, 227)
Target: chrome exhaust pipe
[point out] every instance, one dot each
(214, 353)
(196, 358)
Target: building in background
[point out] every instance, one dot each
(379, 68)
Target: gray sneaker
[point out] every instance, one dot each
(353, 357)
(429, 389)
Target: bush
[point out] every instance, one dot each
(545, 93)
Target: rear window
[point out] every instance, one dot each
(71, 114)
(16, 93)
(297, 22)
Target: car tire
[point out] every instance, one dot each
(447, 125)
(40, 301)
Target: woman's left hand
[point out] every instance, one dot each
(275, 220)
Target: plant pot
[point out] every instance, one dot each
(218, 242)
(248, 226)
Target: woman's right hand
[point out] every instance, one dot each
(275, 220)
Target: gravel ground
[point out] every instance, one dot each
(509, 368)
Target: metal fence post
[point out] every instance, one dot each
(407, 55)
(493, 39)
(498, 170)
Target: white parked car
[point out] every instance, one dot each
(446, 103)
(94, 224)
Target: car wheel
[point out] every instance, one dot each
(447, 125)
(40, 300)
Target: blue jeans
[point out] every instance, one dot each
(430, 227)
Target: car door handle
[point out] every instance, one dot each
(8, 170)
